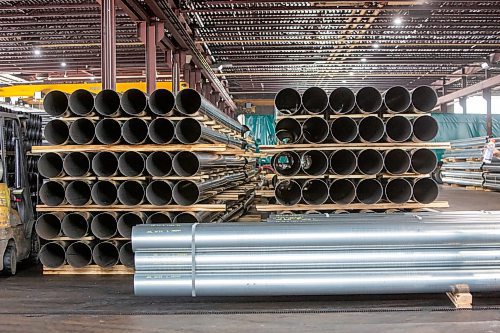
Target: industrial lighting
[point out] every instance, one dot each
(363, 59)
(398, 21)
(37, 52)
(375, 45)
(63, 64)
(485, 65)
(344, 81)
(351, 73)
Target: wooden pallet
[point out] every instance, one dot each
(203, 147)
(349, 115)
(353, 146)
(138, 208)
(460, 296)
(88, 270)
(352, 206)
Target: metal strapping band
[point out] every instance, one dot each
(193, 260)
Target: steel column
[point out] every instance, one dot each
(151, 34)
(176, 72)
(487, 97)
(463, 100)
(444, 106)
(108, 44)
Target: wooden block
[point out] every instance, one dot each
(356, 206)
(89, 270)
(460, 296)
(354, 146)
(138, 208)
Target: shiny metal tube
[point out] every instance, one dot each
(342, 100)
(105, 164)
(108, 131)
(425, 190)
(104, 225)
(190, 131)
(131, 192)
(132, 163)
(186, 163)
(315, 130)
(397, 99)
(81, 102)
(314, 163)
(161, 131)
(104, 193)
(194, 217)
(127, 221)
(53, 254)
(370, 161)
(315, 192)
(464, 174)
(423, 161)
(342, 191)
(398, 129)
(344, 129)
(343, 162)
(106, 254)
(79, 254)
(48, 225)
(314, 100)
(397, 161)
(50, 165)
(127, 255)
(77, 164)
(287, 163)
(369, 191)
(368, 100)
(425, 128)
(134, 102)
(423, 99)
(135, 131)
(159, 164)
(52, 193)
(82, 131)
(462, 181)
(56, 132)
(76, 225)
(288, 130)
(398, 190)
(371, 129)
(288, 192)
(78, 193)
(56, 104)
(162, 102)
(159, 192)
(160, 217)
(288, 101)
(107, 103)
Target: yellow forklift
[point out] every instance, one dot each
(18, 241)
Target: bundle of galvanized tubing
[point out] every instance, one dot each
(366, 174)
(357, 254)
(112, 173)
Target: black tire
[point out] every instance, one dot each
(35, 248)
(10, 260)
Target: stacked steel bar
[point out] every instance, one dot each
(98, 193)
(343, 175)
(358, 254)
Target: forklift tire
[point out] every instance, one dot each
(10, 260)
(35, 249)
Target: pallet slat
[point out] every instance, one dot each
(138, 208)
(89, 270)
(409, 205)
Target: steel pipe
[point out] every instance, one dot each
(343, 162)
(425, 128)
(315, 130)
(398, 129)
(52, 193)
(423, 99)
(76, 225)
(288, 192)
(161, 131)
(48, 225)
(288, 130)
(397, 99)
(287, 163)
(342, 191)
(288, 101)
(77, 164)
(53, 254)
(423, 161)
(104, 225)
(106, 254)
(344, 129)
(107, 103)
(190, 131)
(132, 163)
(78, 193)
(159, 164)
(79, 254)
(314, 100)
(159, 217)
(50, 165)
(425, 190)
(342, 100)
(398, 190)
(131, 193)
(369, 191)
(159, 192)
(127, 221)
(314, 192)
(314, 163)
(162, 102)
(371, 129)
(56, 104)
(186, 163)
(56, 132)
(82, 131)
(108, 131)
(368, 100)
(105, 164)
(135, 131)
(194, 217)
(134, 102)
(81, 102)
(127, 255)
(104, 193)
(370, 161)
(397, 161)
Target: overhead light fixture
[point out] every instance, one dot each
(37, 52)
(375, 45)
(63, 64)
(344, 81)
(363, 59)
(485, 65)
(398, 21)
(351, 74)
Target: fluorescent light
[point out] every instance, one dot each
(63, 64)
(363, 59)
(37, 52)
(375, 45)
(351, 73)
(398, 21)
(344, 81)
(485, 65)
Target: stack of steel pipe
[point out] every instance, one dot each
(395, 254)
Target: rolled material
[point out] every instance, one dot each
(107, 103)
(82, 131)
(127, 255)
(159, 164)
(369, 191)
(135, 131)
(194, 217)
(423, 99)
(288, 130)
(104, 225)
(315, 130)
(398, 129)
(288, 101)
(315, 192)
(397, 161)
(425, 128)
(288, 192)
(134, 102)
(343, 162)
(105, 164)
(56, 132)
(159, 192)
(344, 129)
(81, 102)
(371, 129)
(52, 193)
(50, 165)
(370, 162)
(398, 190)
(79, 254)
(131, 193)
(342, 191)
(342, 100)
(314, 163)
(127, 221)
(53, 254)
(159, 217)
(423, 161)
(161, 131)
(78, 193)
(48, 226)
(286, 163)
(161, 102)
(190, 131)
(104, 193)
(368, 100)
(108, 131)
(397, 99)
(186, 163)
(132, 163)
(425, 190)
(315, 100)
(77, 164)
(76, 225)
(106, 254)
(56, 104)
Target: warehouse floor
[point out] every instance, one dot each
(31, 303)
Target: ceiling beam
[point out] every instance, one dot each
(467, 91)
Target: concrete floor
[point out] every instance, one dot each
(30, 302)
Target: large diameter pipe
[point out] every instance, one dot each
(342, 100)
(344, 129)
(105, 164)
(423, 99)
(423, 161)
(132, 163)
(134, 102)
(81, 102)
(425, 128)
(159, 164)
(396, 161)
(104, 225)
(135, 131)
(425, 190)
(79, 254)
(56, 104)
(315, 192)
(159, 192)
(82, 131)
(131, 192)
(397, 99)
(78, 193)
(190, 131)
(194, 217)
(52, 193)
(50, 165)
(162, 102)
(56, 132)
(127, 221)
(371, 129)
(76, 225)
(342, 191)
(108, 131)
(288, 130)
(398, 190)
(77, 164)
(288, 101)
(315, 130)
(369, 191)
(159, 217)
(186, 163)
(398, 129)
(370, 161)
(161, 131)
(314, 163)
(288, 192)
(127, 255)
(107, 103)
(48, 225)
(368, 100)
(106, 254)
(315, 100)
(53, 254)
(343, 162)
(104, 193)
(287, 163)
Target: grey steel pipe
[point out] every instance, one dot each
(288, 101)
(159, 192)
(104, 193)
(56, 104)
(194, 217)
(50, 165)
(342, 191)
(79, 254)
(159, 217)
(105, 164)
(81, 103)
(77, 164)
(312, 212)
(425, 190)
(76, 225)
(56, 132)
(53, 254)
(132, 163)
(131, 193)
(134, 102)
(78, 193)
(108, 131)
(82, 131)
(288, 192)
(48, 225)
(342, 100)
(106, 254)
(127, 255)
(398, 190)
(369, 191)
(162, 102)
(397, 99)
(315, 100)
(288, 130)
(107, 103)
(397, 161)
(287, 163)
(104, 225)
(370, 161)
(344, 129)
(159, 164)
(423, 99)
(186, 163)
(343, 162)
(423, 161)
(315, 130)
(189, 102)
(314, 163)
(314, 192)
(371, 129)
(128, 220)
(368, 100)
(190, 131)
(135, 131)
(398, 129)
(161, 131)
(52, 193)
(425, 128)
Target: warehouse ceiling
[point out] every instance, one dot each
(262, 46)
